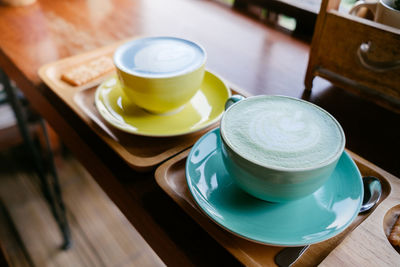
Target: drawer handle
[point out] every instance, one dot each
(378, 66)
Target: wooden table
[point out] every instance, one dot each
(259, 59)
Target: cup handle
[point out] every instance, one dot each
(232, 100)
(370, 5)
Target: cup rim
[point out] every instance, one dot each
(286, 169)
(122, 48)
(383, 2)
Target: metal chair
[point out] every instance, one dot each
(44, 164)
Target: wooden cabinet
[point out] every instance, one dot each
(356, 54)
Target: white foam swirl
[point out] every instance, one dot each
(283, 131)
(164, 57)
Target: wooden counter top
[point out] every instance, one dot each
(252, 55)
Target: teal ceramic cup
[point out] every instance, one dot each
(279, 148)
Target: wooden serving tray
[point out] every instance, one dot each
(141, 153)
(171, 178)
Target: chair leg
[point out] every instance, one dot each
(57, 197)
(51, 189)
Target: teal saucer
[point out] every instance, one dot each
(315, 218)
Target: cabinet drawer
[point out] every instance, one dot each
(340, 40)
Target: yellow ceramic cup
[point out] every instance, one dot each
(160, 74)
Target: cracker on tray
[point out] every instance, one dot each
(394, 236)
(87, 72)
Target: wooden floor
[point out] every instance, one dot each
(101, 234)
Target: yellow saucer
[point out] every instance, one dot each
(205, 108)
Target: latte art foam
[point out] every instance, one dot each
(161, 56)
(282, 132)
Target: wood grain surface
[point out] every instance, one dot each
(335, 49)
(141, 153)
(256, 57)
(368, 244)
(259, 59)
(171, 178)
(101, 235)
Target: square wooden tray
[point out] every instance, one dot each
(141, 153)
(171, 178)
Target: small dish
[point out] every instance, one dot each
(315, 218)
(204, 109)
